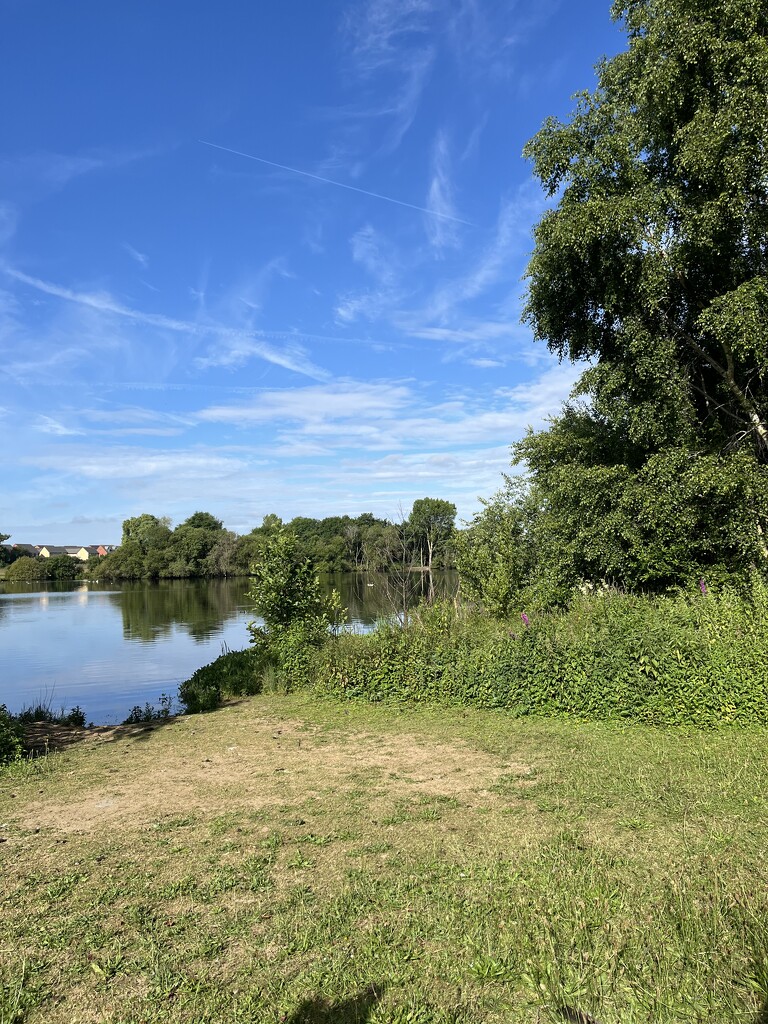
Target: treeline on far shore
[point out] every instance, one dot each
(201, 547)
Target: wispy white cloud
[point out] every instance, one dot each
(493, 262)
(481, 302)
(338, 401)
(367, 247)
(371, 251)
(391, 41)
(404, 106)
(140, 257)
(486, 364)
(441, 229)
(9, 217)
(49, 172)
(395, 416)
(134, 463)
(482, 36)
(379, 30)
(463, 330)
(49, 425)
(125, 421)
(473, 141)
(315, 450)
(236, 346)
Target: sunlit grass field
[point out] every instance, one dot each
(297, 859)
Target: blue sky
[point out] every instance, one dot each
(190, 327)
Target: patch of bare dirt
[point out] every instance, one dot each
(185, 768)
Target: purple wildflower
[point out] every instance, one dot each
(526, 620)
(702, 586)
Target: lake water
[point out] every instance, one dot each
(108, 647)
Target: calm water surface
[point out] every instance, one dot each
(108, 647)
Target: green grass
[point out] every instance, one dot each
(620, 871)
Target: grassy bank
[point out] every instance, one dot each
(299, 859)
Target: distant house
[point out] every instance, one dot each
(52, 550)
(32, 550)
(82, 553)
(98, 549)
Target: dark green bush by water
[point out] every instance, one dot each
(11, 736)
(232, 674)
(696, 660)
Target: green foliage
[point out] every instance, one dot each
(149, 713)
(203, 521)
(677, 516)
(653, 266)
(298, 617)
(12, 726)
(230, 675)
(285, 586)
(147, 531)
(58, 567)
(200, 547)
(43, 712)
(430, 528)
(654, 261)
(683, 660)
(124, 563)
(62, 567)
(11, 735)
(26, 568)
(493, 555)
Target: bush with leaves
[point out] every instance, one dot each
(10, 736)
(230, 675)
(298, 617)
(26, 568)
(690, 659)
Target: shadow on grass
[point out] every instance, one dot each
(42, 738)
(576, 1016)
(762, 1017)
(355, 1010)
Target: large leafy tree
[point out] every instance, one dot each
(147, 531)
(653, 267)
(203, 521)
(430, 527)
(654, 262)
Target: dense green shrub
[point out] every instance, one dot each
(230, 675)
(26, 568)
(10, 736)
(698, 660)
(298, 617)
(58, 567)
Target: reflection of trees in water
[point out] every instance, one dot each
(369, 598)
(151, 611)
(201, 607)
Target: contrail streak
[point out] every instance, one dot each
(339, 184)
